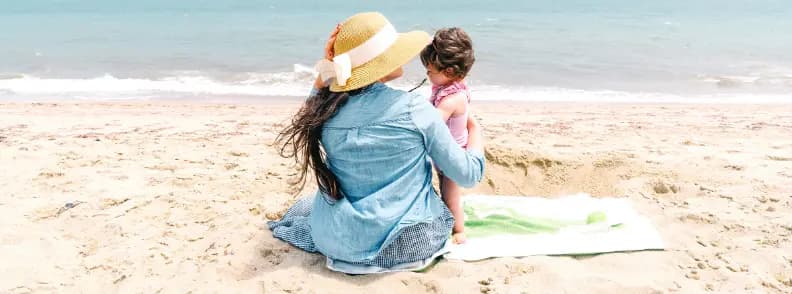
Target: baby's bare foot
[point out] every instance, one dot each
(459, 238)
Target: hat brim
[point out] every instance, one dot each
(406, 47)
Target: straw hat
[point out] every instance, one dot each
(367, 48)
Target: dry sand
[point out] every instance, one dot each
(173, 197)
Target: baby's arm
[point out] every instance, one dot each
(470, 119)
(452, 105)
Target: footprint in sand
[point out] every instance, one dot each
(50, 174)
(106, 203)
(238, 154)
(183, 181)
(274, 256)
(700, 218)
(170, 168)
(734, 167)
(661, 187)
(420, 285)
(779, 158)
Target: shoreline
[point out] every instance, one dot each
(280, 100)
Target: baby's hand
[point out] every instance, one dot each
(459, 238)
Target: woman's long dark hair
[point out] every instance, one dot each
(302, 139)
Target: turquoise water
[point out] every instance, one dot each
(630, 50)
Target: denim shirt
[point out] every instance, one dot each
(379, 146)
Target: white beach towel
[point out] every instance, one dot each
(503, 226)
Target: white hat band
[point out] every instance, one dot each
(341, 66)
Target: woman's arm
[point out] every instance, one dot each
(466, 168)
(319, 83)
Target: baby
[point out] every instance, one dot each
(448, 60)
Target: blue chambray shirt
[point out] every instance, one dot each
(379, 147)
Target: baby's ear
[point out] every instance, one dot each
(449, 72)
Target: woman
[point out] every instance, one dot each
(369, 148)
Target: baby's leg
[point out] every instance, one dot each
(452, 196)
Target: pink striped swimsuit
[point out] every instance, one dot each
(457, 124)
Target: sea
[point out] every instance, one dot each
(634, 51)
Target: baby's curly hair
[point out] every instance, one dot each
(450, 49)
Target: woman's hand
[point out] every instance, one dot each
(329, 53)
(330, 45)
(475, 137)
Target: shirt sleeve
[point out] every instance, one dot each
(466, 168)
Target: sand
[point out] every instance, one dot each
(173, 197)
